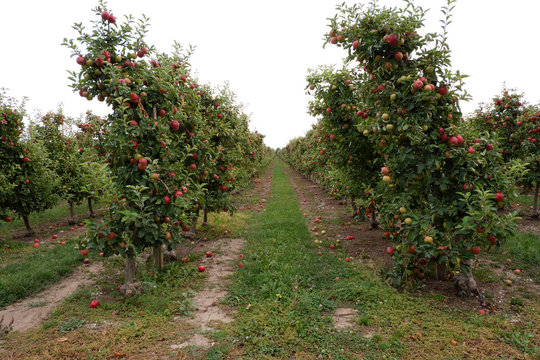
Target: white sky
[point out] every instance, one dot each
(262, 48)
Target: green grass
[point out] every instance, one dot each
(57, 213)
(523, 250)
(524, 199)
(37, 270)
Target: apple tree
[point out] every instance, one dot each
(25, 169)
(150, 133)
(440, 190)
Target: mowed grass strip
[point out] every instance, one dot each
(35, 272)
(285, 294)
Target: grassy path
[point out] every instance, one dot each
(286, 293)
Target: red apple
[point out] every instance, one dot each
(208, 254)
(201, 268)
(105, 15)
(81, 60)
(83, 252)
(184, 259)
(8, 219)
(167, 199)
(94, 304)
(143, 163)
(390, 251)
(175, 125)
(86, 261)
(193, 166)
(36, 245)
(499, 196)
(476, 250)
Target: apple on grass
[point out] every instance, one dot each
(201, 268)
(94, 303)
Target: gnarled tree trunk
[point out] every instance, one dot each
(157, 253)
(90, 208)
(71, 220)
(29, 230)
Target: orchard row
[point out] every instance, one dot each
(169, 149)
(390, 136)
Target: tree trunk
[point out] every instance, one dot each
(71, 220)
(157, 253)
(535, 201)
(129, 271)
(354, 207)
(205, 219)
(374, 222)
(465, 283)
(90, 208)
(29, 230)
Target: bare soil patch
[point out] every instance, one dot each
(30, 312)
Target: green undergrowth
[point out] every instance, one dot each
(286, 294)
(38, 269)
(523, 250)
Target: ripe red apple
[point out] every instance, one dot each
(62, 242)
(517, 271)
(390, 251)
(392, 39)
(418, 84)
(398, 56)
(356, 44)
(240, 256)
(81, 60)
(412, 249)
(481, 230)
(8, 219)
(175, 125)
(105, 15)
(470, 150)
(240, 265)
(133, 123)
(26, 159)
(201, 268)
(167, 199)
(134, 97)
(143, 163)
(385, 170)
(193, 166)
(86, 261)
(112, 19)
(476, 250)
(162, 112)
(492, 239)
(329, 110)
(499, 196)
(208, 254)
(178, 194)
(443, 90)
(184, 260)
(101, 254)
(94, 304)
(36, 240)
(55, 236)
(454, 141)
(489, 147)
(36, 245)
(83, 252)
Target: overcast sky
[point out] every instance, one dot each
(262, 48)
